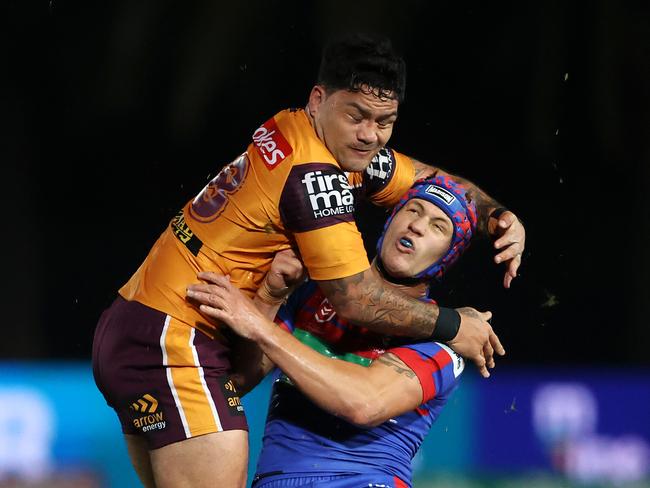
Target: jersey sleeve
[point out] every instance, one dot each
(437, 367)
(388, 177)
(317, 207)
(333, 253)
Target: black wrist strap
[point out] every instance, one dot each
(447, 325)
(496, 213)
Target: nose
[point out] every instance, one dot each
(366, 133)
(418, 225)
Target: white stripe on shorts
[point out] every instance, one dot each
(197, 363)
(170, 380)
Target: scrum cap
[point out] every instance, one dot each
(451, 198)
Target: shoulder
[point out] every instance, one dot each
(389, 175)
(295, 136)
(437, 366)
(287, 141)
(316, 195)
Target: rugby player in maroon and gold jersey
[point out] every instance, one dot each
(165, 369)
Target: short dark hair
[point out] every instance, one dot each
(354, 61)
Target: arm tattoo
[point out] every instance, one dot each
(367, 301)
(424, 170)
(484, 202)
(421, 171)
(398, 366)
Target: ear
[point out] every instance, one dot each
(316, 98)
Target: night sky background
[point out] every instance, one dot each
(114, 114)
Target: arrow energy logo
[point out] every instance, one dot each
(149, 417)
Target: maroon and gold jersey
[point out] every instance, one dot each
(286, 190)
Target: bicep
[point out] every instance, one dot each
(423, 170)
(347, 288)
(395, 384)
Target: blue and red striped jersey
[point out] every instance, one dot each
(302, 439)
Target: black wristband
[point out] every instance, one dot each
(447, 325)
(496, 213)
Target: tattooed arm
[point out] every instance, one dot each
(484, 202)
(360, 395)
(506, 229)
(367, 300)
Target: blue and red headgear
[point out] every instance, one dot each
(451, 198)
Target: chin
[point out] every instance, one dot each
(355, 164)
(395, 270)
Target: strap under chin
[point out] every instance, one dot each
(392, 279)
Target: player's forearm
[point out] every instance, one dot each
(269, 310)
(247, 378)
(250, 364)
(367, 300)
(485, 204)
(336, 386)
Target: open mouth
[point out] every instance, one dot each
(407, 243)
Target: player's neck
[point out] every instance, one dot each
(310, 117)
(414, 291)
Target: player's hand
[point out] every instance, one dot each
(476, 340)
(286, 272)
(510, 241)
(219, 299)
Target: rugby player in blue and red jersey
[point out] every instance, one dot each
(352, 407)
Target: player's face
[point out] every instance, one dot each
(419, 235)
(353, 125)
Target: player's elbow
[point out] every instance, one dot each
(345, 294)
(367, 421)
(346, 308)
(364, 413)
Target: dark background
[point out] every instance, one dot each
(114, 114)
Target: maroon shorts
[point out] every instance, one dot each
(166, 380)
